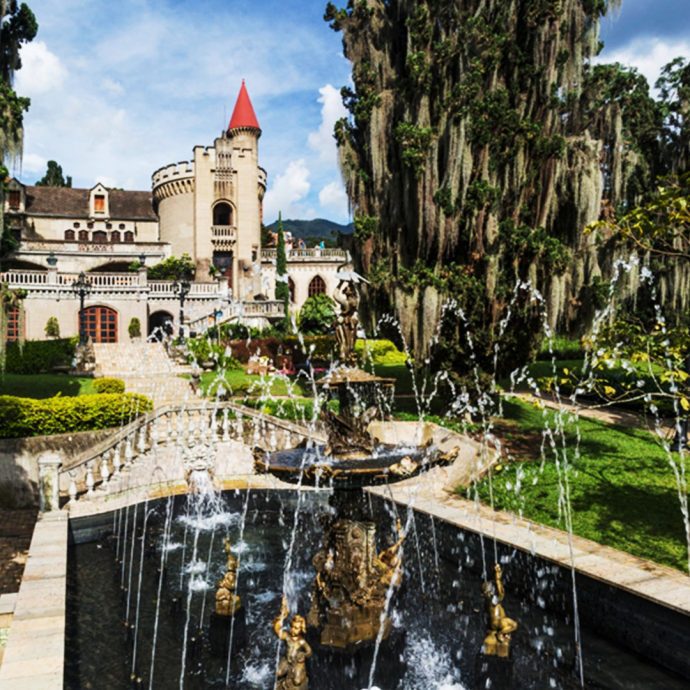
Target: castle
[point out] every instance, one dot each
(210, 208)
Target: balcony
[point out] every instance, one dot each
(223, 236)
(306, 255)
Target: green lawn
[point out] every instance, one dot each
(238, 382)
(44, 385)
(622, 487)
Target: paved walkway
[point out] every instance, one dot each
(145, 368)
(608, 415)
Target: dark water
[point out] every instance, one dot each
(438, 615)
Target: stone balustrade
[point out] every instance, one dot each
(98, 471)
(313, 254)
(267, 309)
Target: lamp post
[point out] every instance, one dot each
(81, 287)
(181, 289)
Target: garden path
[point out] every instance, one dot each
(145, 368)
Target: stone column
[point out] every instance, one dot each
(48, 482)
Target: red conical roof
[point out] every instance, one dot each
(243, 116)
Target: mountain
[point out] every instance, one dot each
(309, 229)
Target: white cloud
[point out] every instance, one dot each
(41, 72)
(648, 55)
(287, 191)
(32, 162)
(333, 198)
(332, 109)
(113, 87)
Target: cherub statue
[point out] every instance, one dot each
(227, 600)
(292, 669)
(387, 563)
(497, 640)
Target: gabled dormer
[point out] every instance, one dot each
(15, 197)
(99, 206)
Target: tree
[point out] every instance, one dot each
(52, 328)
(19, 26)
(317, 315)
(173, 268)
(282, 286)
(54, 177)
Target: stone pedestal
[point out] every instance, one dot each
(48, 482)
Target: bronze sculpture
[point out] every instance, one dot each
(347, 321)
(228, 601)
(497, 640)
(292, 669)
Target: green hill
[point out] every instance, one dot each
(319, 228)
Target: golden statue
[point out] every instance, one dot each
(292, 669)
(388, 562)
(227, 600)
(497, 640)
(347, 322)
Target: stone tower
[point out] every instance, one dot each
(211, 207)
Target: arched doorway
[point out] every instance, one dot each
(160, 324)
(100, 324)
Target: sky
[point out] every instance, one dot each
(119, 89)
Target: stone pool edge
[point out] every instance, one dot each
(35, 651)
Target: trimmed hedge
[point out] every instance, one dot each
(39, 356)
(21, 417)
(109, 385)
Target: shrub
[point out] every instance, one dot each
(135, 328)
(21, 417)
(109, 385)
(173, 268)
(379, 352)
(317, 315)
(52, 328)
(39, 356)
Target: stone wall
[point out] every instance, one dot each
(19, 461)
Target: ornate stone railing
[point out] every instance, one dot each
(50, 281)
(97, 472)
(224, 232)
(268, 309)
(315, 254)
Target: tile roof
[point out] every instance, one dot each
(74, 203)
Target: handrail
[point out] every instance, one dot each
(135, 426)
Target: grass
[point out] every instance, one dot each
(238, 382)
(44, 385)
(622, 488)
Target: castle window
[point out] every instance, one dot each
(69, 235)
(14, 199)
(121, 226)
(83, 235)
(99, 203)
(222, 214)
(89, 225)
(129, 236)
(317, 286)
(291, 288)
(76, 225)
(115, 236)
(100, 236)
(108, 226)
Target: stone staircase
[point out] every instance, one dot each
(145, 368)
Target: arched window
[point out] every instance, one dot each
(83, 235)
(291, 288)
(69, 235)
(317, 286)
(222, 214)
(115, 236)
(100, 236)
(129, 236)
(100, 324)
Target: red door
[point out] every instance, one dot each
(100, 324)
